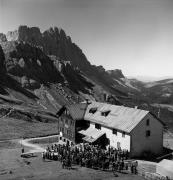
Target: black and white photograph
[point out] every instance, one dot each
(86, 89)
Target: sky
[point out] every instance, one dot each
(135, 36)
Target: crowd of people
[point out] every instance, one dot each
(91, 156)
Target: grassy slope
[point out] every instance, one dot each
(15, 128)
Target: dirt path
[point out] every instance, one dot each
(34, 147)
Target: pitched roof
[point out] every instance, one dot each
(119, 117)
(91, 135)
(77, 111)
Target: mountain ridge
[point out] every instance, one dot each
(54, 41)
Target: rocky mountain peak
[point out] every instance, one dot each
(2, 38)
(53, 41)
(116, 73)
(23, 33)
(12, 35)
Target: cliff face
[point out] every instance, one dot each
(29, 63)
(31, 67)
(2, 38)
(53, 41)
(24, 33)
(2, 61)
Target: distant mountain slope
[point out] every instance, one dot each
(160, 91)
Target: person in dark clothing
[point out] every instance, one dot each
(135, 167)
(87, 155)
(132, 167)
(23, 150)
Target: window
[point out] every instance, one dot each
(92, 110)
(97, 126)
(148, 122)
(114, 131)
(148, 133)
(105, 113)
(123, 134)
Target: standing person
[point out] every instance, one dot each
(132, 168)
(122, 164)
(43, 156)
(23, 150)
(135, 167)
(63, 163)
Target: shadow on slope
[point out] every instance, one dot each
(8, 82)
(3, 91)
(76, 81)
(25, 60)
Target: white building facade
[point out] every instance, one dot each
(135, 130)
(147, 136)
(117, 139)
